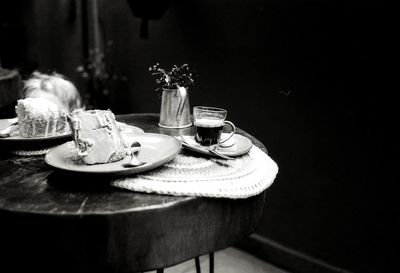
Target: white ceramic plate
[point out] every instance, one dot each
(241, 145)
(156, 150)
(125, 128)
(128, 129)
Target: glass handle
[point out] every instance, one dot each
(231, 133)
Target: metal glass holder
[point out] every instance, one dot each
(175, 108)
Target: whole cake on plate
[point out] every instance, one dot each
(39, 117)
(97, 136)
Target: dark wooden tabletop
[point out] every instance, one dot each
(56, 221)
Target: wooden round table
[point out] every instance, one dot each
(57, 222)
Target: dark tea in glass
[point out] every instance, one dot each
(208, 131)
(209, 122)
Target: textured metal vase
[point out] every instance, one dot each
(175, 108)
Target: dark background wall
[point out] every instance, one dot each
(304, 77)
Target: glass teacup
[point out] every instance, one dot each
(209, 122)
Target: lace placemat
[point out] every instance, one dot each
(189, 175)
(32, 152)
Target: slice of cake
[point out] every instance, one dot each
(97, 136)
(39, 117)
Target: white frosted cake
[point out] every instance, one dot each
(96, 136)
(39, 117)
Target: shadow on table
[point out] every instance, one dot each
(68, 181)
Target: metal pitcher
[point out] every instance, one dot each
(175, 108)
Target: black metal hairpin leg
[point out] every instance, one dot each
(160, 270)
(211, 262)
(197, 261)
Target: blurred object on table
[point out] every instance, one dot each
(9, 91)
(53, 87)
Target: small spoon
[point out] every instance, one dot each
(215, 152)
(9, 130)
(211, 150)
(134, 162)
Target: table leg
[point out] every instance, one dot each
(197, 261)
(211, 262)
(160, 270)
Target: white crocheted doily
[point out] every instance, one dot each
(187, 175)
(32, 152)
